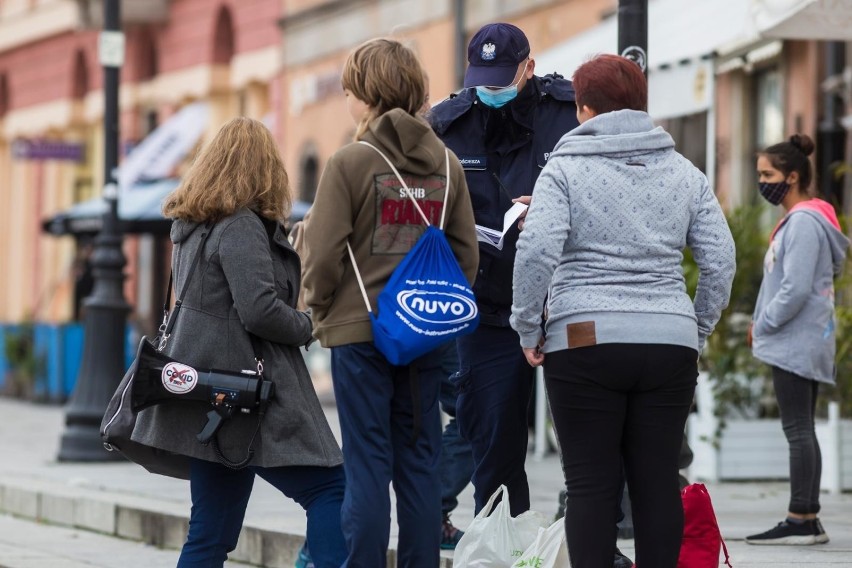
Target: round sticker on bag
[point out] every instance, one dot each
(179, 378)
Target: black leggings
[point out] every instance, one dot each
(797, 399)
(615, 402)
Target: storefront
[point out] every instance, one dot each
(682, 42)
(318, 35)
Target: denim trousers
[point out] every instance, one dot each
(220, 496)
(495, 384)
(621, 405)
(456, 457)
(376, 405)
(797, 399)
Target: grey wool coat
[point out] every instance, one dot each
(242, 283)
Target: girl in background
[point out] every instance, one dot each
(793, 325)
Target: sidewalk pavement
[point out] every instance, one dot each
(121, 499)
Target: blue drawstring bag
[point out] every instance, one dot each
(427, 300)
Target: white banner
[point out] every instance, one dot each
(161, 151)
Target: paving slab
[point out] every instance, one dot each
(123, 500)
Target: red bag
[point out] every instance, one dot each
(701, 536)
(702, 539)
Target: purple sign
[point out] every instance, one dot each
(48, 150)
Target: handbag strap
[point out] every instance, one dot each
(416, 205)
(170, 316)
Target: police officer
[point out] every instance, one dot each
(502, 126)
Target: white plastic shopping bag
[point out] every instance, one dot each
(549, 549)
(497, 539)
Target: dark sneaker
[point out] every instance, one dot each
(621, 561)
(790, 533)
(450, 535)
(304, 559)
(819, 532)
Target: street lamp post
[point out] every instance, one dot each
(633, 31)
(106, 308)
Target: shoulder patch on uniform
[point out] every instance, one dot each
(558, 87)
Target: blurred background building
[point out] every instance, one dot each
(726, 78)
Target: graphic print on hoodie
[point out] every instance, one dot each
(398, 223)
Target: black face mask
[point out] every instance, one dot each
(774, 192)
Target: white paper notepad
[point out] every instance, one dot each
(494, 237)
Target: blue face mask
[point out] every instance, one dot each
(495, 98)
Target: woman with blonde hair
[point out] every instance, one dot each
(242, 291)
(389, 414)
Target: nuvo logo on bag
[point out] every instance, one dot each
(436, 307)
(427, 299)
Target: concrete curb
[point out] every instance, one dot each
(128, 517)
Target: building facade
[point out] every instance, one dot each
(222, 52)
(280, 61)
(317, 35)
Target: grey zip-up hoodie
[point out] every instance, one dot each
(794, 327)
(611, 213)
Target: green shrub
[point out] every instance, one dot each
(22, 359)
(741, 383)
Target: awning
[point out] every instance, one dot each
(827, 20)
(682, 35)
(139, 211)
(157, 156)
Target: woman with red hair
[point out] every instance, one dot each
(602, 244)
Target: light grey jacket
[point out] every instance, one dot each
(794, 326)
(611, 213)
(242, 284)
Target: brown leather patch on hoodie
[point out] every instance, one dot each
(581, 334)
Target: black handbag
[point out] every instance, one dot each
(155, 378)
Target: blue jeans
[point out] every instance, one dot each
(456, 455)
(220, 496)
(375, 402)
(495, 383)
(797, 398)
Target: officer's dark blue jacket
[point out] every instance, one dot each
(503, 151)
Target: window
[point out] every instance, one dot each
(769, 112)
(80, 84)
(690, 136)
(4, 94)
(223, 38)
(308, 174)
(148, 63)
(768, 124)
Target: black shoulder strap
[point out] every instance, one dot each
(169, 319)
(172, 318)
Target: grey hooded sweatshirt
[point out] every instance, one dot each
(611, 213)
(794, 327)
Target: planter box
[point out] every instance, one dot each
(59, 348)
(757, 449)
